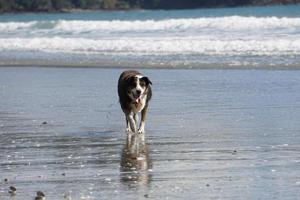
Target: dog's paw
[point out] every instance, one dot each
(128, 130)
(141, 131)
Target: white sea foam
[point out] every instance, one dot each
(195, 24)
(209, 36)
(150, 46)
(15, 26)
(234, 22)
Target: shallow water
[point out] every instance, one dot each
(211, 134)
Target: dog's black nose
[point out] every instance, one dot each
(138, 92)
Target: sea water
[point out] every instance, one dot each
(210, 134)
(251, 37)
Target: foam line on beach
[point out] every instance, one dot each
(190, 24)
(150, 46)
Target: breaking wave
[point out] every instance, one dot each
(231, 37)
(157, 46)
(176, 25)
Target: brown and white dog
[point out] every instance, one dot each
(134, 95)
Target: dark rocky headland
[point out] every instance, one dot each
(69, 5)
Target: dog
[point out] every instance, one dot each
(134, 92)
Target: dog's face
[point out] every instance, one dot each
(137, 87)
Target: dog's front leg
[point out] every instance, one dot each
(128, 129)
(131, 122)
(136, 118)
(143, 120)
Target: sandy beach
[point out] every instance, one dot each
(210, 134)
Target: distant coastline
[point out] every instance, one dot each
(10, 6)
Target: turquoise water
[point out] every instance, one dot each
(251, 37)
(279, 11)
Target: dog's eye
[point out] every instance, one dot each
(143, 84)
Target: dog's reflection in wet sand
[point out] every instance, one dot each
(135, 161)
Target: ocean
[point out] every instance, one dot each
(250, 37)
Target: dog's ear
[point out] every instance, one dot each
(147, 80)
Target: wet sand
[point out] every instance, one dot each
(210, 134)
